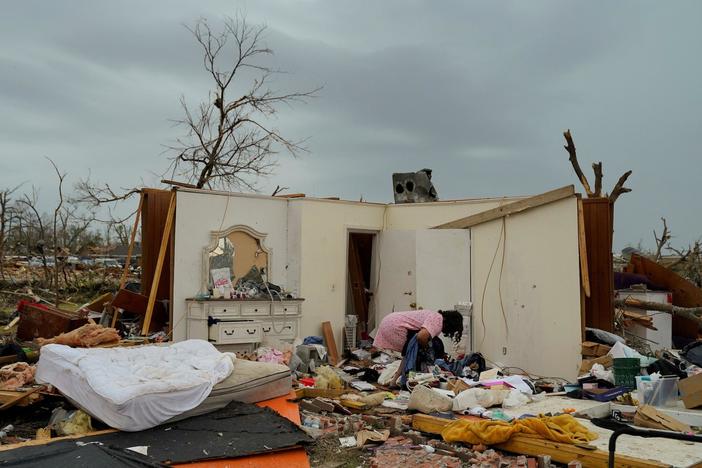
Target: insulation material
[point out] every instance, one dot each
(87, 336)
(14, 376)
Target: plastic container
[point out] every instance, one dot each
(662, 392)
(625, 372)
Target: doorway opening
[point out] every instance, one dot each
(360, 290)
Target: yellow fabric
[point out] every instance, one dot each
(563, 428)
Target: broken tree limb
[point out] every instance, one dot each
(694, 313)
(619, 187)
(570, 148)
(597, 169)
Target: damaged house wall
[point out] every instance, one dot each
(323, 256)
(540, 290)
(200, 213)
(308, 238)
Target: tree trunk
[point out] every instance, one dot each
(694, 313)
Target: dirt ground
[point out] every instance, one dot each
(326, 452)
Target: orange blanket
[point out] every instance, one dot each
(563, 428)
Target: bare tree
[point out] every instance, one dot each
(228, 140)
(6, 213)
(661, 241)
(35, 222)
(618, 189)
(57, 210)
(689, 260)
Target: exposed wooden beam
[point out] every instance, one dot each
(510, 208)
(175, 183)
(582, 250)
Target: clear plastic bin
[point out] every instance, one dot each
(662, 392)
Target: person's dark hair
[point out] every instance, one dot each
(453, 324)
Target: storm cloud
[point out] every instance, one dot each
(479, 91)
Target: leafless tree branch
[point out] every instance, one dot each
(227, 142)
(662, 241)
(619, 188)
(570, 148)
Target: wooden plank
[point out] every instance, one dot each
(159, 265)
(328, 334)
(29, 443)
(526, 445)
(13, 401)
(510, 208)
(599, 309)
(582, 249)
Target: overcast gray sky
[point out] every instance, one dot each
(478, 91)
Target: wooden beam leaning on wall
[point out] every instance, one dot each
(510, 208)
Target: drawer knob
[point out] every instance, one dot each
(266, 330)
(288, 327)
(255, 310)
(229, 333)
(251, 332)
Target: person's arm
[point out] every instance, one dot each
(400, 370)
(424, 337)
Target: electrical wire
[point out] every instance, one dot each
(502, 267)
(487, 280)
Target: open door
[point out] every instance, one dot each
(426, 268)
(360, 260)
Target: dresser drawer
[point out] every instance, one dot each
(256, 309)
(286, 309)
(197, 311)
(224, 310)
(236, 332)
(280, 328)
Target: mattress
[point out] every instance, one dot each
(249, 382)
(136, 388)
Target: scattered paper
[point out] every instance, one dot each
(362, 386)
(489, 374)
(517, 381)
(348, 442)
(142, 449)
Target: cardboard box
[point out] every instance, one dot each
(691, 390)
(587, 364)
(648, 416)
(592, 349)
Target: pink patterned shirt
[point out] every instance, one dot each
(392, 332)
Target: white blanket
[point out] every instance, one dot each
(135, 388)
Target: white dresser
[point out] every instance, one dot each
(243, 322)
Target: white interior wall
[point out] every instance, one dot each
(324, 253)
(197, 215)
(540, 283)
(443, 268)
(540, 290)
(396, 266)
